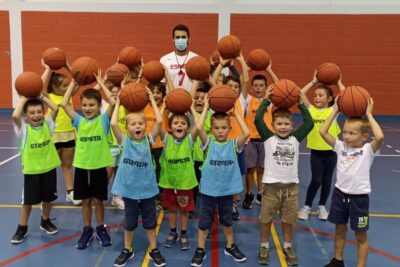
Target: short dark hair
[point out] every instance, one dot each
(180, 27)
(228, 78)
(220, 116)
(259, 77)
(32, 102)
(160, 87)
(91, 93)
(56, 80)
(329, 92)
(178, 115)
(281, 113)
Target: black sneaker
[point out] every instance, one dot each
(248, 201)
(103, 236)
(86, 238)
(259, 199)
(235, 212)
(124, 257)
(335, 263)
(235, 252)
(198, 258)
(155, 255)
(48, 226)
(20, 234)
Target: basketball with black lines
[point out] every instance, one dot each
(178, 101)
(133, 97)
(84, 69)
(153, 71)
(198, 68)
(353, 101)
(285, 93)
(328, 73)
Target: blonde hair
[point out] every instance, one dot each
(364, 124)
(136, 113)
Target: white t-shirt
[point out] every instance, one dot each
(353, 166)
(176, 68)
(281, 160)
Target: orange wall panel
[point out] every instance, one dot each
(366, 47)
(5, 62)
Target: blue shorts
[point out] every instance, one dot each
(242, 162)
(353, 207)
(145, 207)
(207, 207)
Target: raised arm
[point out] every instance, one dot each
(101, 86)
(272, 73)
(376, 129)
(244, 78)
(194, 132)
(200, 123)
(17, 113)
(307, 88)
(195, 86)
(45, 77)
(51, 105)
(168, 80)
(262, 128)
(308, 122)
(323, 131)
(114, 123)
(245, 131)
(155, 131)
(218, 69)
(67, 96)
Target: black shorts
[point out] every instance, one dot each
(40, 187)
(67, 144)
(145, 207)
(353, 207)
(207, 206)
(90, 184)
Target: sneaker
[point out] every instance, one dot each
(263, 256)
(184, 242)
(290, 256)
(86, 238)
(117, 201)
(322, 213)
(20, 234)
(304, 212)
(335, 263)
(124, 257)
(235, 212)
(259, 199)
(235, 252)
(48, 226)
(155, 255)
(248, 201)
(103, 236)
(171, 239)
(69, 197)
(198, 258)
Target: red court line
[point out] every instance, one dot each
(214, 242)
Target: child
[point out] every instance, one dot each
(350, 199)
(36, 148)
(221, 179)
(92, 156)
(177, 176)
(280, 177)
(323, 158)
(55, 86)
(136, 181)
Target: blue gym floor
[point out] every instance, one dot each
(313, 239)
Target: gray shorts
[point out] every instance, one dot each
(254, 153)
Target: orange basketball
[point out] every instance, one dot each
(258, 59)
(116, 73)
(83, 70)
(229, 47)
(215, 57)
(221, 98)
(285, 94)
(153, 71)
(130, 56)
(133, 97)
(328, 73)
(353, 101)
(54, 58)
(178, 101)
(29, 84)
(198, 68)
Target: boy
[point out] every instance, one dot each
(280, 177)
(92, 156)
(36, 147)
(350, 199)
(221, 179)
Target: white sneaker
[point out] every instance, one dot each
(70, 198)
(304, 212)
(322, 213)
(118, 202)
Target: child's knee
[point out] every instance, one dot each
(361, 236)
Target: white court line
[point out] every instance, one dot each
(381, 155)
(5, 130)
(9, 159)
(398, 151)
(8, 147)
(395, 171)
(388, 146)
(6, 123)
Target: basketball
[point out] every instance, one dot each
(285, 94)
(198, 68)
(133, 97)
(258, 59)
(153, 71)
(221, 98)
(54, 58)
(353, 101)
(178, 101)
(116, 73)
(229, 47)
(29, 84)
(215, 57)
(83, 70)
(328, 73)
(130, 56)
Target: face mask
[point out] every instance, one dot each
(181, 44)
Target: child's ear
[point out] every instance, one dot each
(365, 136)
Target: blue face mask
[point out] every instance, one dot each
(181, 44)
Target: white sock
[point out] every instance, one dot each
(287, 245)
(264, 245)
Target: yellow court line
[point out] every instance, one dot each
(278, 246)
(146, 257)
